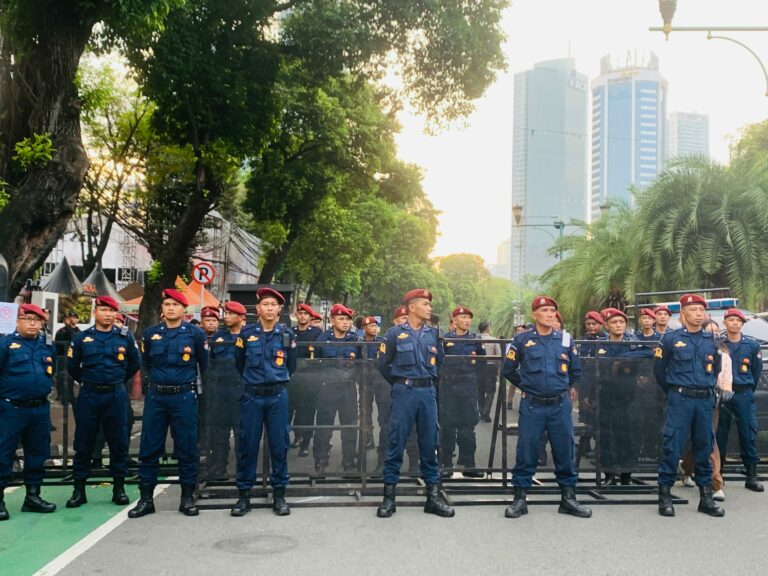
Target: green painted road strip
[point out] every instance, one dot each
(29, 541)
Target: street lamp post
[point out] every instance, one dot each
(667, 9)
(517, 213)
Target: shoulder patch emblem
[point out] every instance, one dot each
(156, 337)
(511, 354)
(383, 348)
(70, 352)
(658, 353)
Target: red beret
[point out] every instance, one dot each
(31, 309)
(689, 299)
(341, 310)
(316, 315)
(662, 308)
(209, 312)
(417, 293)
(647, 312)
(107, 301)
(262, 293)
(400, 311)
(540, 301)
(610, 313)
(461, 310)
(559, 316)
(369, 320)
(235, 308)
(735, 312)
(120, 317)
(594, 315)
(307, 308)
(175, 295)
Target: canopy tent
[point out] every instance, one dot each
(97, 284)
(63, 281)
(192, 291)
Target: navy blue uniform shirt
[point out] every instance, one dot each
(98, 357)
(352, 350)
(372, 346)
(222, 344)
(265, 358)
(688, 359)
(409, 353)
(26, 367)
(542, 365)
(611, 349)
(747, 361)
(309, 334)
(172, 355)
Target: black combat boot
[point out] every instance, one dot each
(387, 506)
(665, 501)
(519, 505)
(146, 504)
(119, 496)
(435, 504)
(752, 483)
(243, 504)
(78, 497)
(33, 502)
(3, 510)
(472, 473)
(707, 503)
(569, 504)
(187, 502)
(279, 505)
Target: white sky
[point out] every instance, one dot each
(469, 170)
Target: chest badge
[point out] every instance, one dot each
(601, 351)
(14, 346)
(87, 339)
(253, 338)
(219, 339)
(680, 344)
(156, 337)
(402, 336)
(530, 343)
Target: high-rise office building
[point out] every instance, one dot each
(688, 134)
(549, 180)
(629, 127)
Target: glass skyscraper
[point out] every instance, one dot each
(549, 159)
(688, 134)
(629, 128)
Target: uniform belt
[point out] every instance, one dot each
(693, 392)
(264, 390)
(27, 403)
(743, 387)
(416, 382)
(99, 387)
(172, 388)
(545, 400)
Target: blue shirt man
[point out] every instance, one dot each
(686, 367)
(747, 366)
(545, 365)
(265, 355)
(173, 353)
(102, 358)
(410, 358)
(26, 376)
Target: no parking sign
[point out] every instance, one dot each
(203, 273)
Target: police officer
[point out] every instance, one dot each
(223, 390)
(70, 329)
(337, 393)
(378, 390)
(209, 320)
(458, 395)
(747, 363)
(172, 352)
(26, 372)
(410, 360)
(303, 393)
(662, 316)
(101, 359)
(647, 333)
(400, 315)
(544, 364)
(686, 367)
(265, 354)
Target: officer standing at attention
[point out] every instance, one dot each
(410, 359)
(686, 367)
(303, 394)
(647, 333)
(265, 354)
(224, 389)
(378, 389)
(458, 395)
(663, 316)
(747, 363)
(209, 320)
(26, 372)
(102, 359)
(171, 353)
(70, 329)
(544, 364)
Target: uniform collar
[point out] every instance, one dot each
(406, 326)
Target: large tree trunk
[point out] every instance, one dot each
(38, 96)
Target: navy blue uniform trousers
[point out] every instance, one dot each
(179, 413)
(33, 427)
(685, 415)
(255, 411)
(92, 411)
(741, 408)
